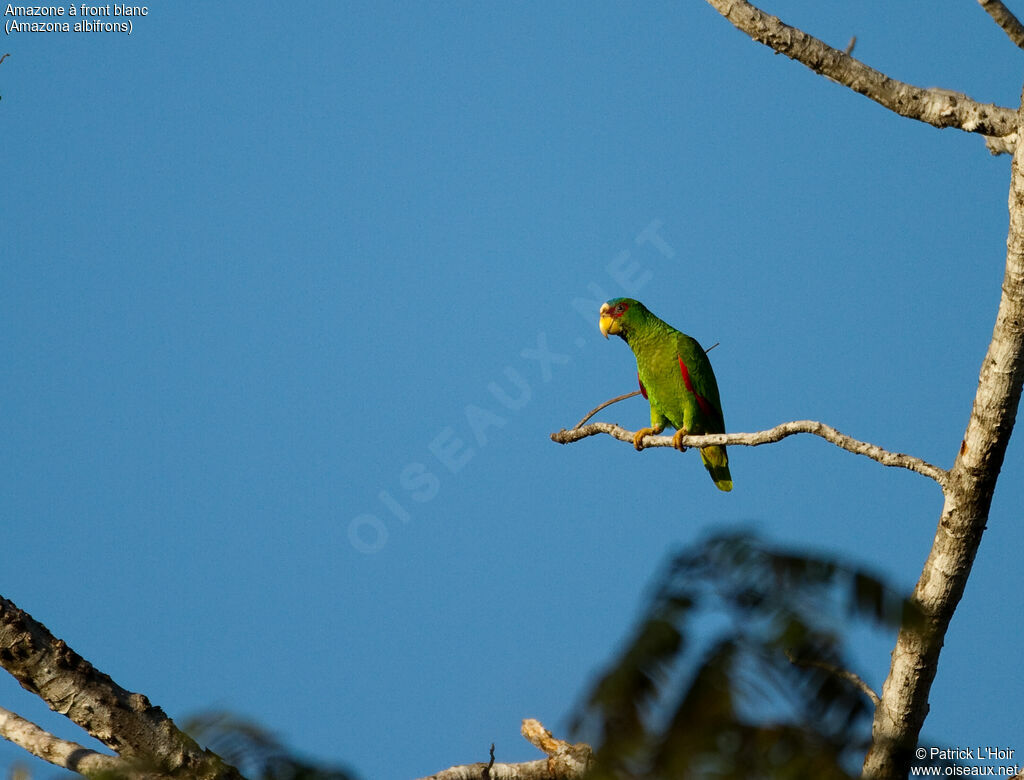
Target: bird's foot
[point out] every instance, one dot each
(677, 438)
(639, 436)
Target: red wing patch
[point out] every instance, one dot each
(643, 390)
(686, 375)
(702, 402)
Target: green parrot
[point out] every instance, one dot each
(675, 377)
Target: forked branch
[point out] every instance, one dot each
(938, 107)
(770, 436)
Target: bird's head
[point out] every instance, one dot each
(617, 314)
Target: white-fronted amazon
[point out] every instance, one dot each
(675, 377)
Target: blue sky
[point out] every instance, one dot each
(263, 266)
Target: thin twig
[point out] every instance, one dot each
(1004, 17)
(851, 44)
(486, 774)
(845, 674)
(770, 436)
(5, 57)
(597, 409)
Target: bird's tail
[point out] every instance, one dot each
(717, 463)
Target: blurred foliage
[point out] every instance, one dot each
(737, 670)
(254, 751)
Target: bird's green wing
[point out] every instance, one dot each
(698, 379)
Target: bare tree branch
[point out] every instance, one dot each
(597, 409)
(565, 761)
(125, 722)
(851, 677)
(968, 496)
(1004, 18)
(60, 752)
(528, 770)
(937, 107)
(770, 436)
(575, 756)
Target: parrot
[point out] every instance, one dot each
(675, 377)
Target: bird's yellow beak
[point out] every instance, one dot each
(607, 323)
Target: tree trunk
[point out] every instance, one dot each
(968, 496)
